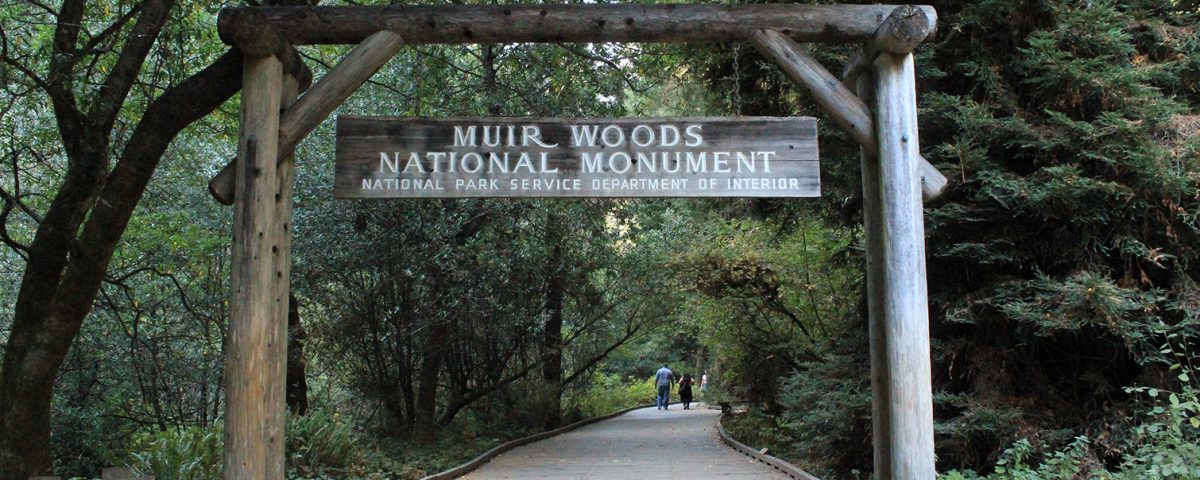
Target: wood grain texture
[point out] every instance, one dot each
(877, 323)
(555, 167)
(905, 304)
(253, 422)
(252, 33)
(280, 228)
(847, 110)
(335, 87)
(567, 23)
(905, 28)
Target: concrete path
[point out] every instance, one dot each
(643, 444)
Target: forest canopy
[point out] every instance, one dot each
(1062, 260)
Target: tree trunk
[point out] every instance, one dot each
(552, 341)
(433, 352)
(297, 385)
(427, 378)
(56, 295)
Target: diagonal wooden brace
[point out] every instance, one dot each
(847, 110)
(322, 99)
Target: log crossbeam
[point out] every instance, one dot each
(456, 24)
(260, 31)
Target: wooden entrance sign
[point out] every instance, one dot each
(564, 157)
(766, 157)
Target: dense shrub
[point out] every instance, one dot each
(321, 440)
(1068, 248)
(319, 443)
(1166, 445)
(179, 454)
(606, 393)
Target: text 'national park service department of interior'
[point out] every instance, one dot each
(381, 157)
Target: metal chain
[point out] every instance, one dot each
(737, 82)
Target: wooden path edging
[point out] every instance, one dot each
(487, 456)
(779, 464)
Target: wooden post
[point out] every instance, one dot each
(904, 312)
(281, 224)
(873, 229)
(334, 88)
(255, 349)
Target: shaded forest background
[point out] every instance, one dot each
(1062, 262)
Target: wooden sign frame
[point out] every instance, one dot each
(882, 118)
(389, 157)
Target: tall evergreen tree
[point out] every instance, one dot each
(1066, 253)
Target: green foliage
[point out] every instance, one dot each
(1165, 444)
(1067, 251)
(86, 440)
(1067, 248)
(1013, 464)
(606, 393)
(321, 441)
(192, 453)
(322, 445)
(763, 299)
(827, 411)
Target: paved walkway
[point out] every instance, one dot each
(642, 444)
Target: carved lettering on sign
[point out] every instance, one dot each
(518, 157)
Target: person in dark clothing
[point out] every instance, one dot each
(685, 391)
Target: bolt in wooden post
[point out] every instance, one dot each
(256, 346)
(905, 311)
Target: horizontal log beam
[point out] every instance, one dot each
(308, 25)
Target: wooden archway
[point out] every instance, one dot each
(882, 117)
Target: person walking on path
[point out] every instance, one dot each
(663, 378)
(685, 391)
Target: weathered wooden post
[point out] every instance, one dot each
(873, 229)
(895, 177)
(257, 339)
(280, 224)
(893, 210)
